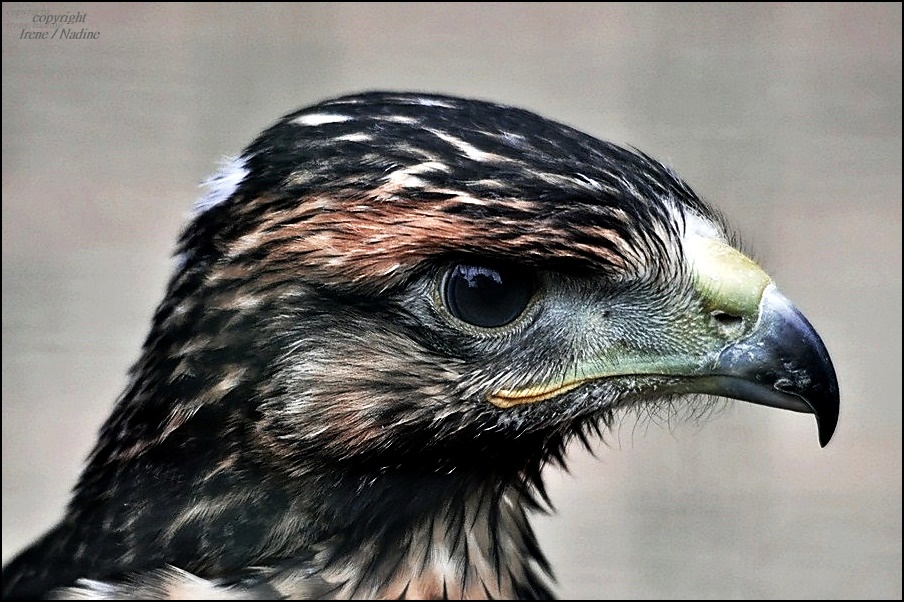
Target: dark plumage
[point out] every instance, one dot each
(388, 315)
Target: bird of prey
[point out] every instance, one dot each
(388, 314)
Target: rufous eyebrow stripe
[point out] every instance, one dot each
(352, 239)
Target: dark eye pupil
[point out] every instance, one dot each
(487, 296)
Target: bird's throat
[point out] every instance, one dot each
(474, 542)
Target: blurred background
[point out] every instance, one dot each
(785, 116)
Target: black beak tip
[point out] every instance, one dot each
(825, 431)
(827, 416)
(828, 407)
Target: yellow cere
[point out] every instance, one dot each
(726, 279)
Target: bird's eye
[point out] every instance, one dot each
(487, 296)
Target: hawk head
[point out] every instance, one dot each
(389, 313)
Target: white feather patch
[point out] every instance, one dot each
(320, 119)
(223, 184)
(697, 225)
(169, 583)
(356, 137)
(469, 150)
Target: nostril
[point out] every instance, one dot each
(728, 321)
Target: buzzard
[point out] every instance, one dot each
(388, 314)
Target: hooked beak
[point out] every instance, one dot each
(782, 363)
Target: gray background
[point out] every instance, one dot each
(788, 117)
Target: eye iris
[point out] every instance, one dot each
(487, 296)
